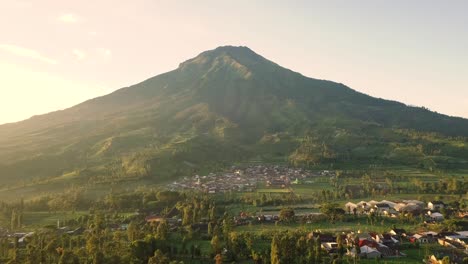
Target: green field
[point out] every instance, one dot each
(39, 219)
(356, 225)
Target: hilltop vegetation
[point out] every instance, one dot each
(225, 106)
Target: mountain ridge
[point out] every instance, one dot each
(224, 106)
(222, 49)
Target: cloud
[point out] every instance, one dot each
(27, 53)
(79, 54)
(69, 18)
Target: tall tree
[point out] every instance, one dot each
(275, 251)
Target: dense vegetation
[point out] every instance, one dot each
(114, 229)
(225, 106)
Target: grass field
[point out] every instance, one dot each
(274, 190)
(39, 219)
(356, 225)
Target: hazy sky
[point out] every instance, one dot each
(54, 54)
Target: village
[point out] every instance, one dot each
(391, 243)
(366, 244)
(246, 179)
(392, 228)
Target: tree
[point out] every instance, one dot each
(132, 231)
(341, 248)
(310, 250)
(92, 244)
(158, 258)
(301, 249)
(286, 214)
(275, 251)
(227, 226)
(210, 229)
(318, 250)
(162, 230)
(212, 213)
(98, 258)
(14, 220)
(390, 184)
(332, 211)
(68, 257)
(216, 244)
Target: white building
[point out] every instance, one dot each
(435, 205)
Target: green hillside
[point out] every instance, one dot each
(225, 106)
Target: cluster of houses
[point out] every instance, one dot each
(431, 210)
(387, 245)
(458, 240)
(21, 238)
(244, 179)
(363, 245)
(215, 183)
(455, 244)
(279, 176)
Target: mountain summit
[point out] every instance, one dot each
(224, 106)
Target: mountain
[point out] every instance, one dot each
(225, 106)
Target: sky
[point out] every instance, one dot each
(55, 53)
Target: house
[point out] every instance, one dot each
(398, 206)
(330, 247)
(387, 251)
(398, 232)
(322, 236)
(381, 207)
(435, 216)
(458, 240)
(416, 202)
(435, 205)
(367, 242)
(411, 208)
(446, 243)
(390, 203)
(423, 238)
(364, 235)
(77, 231)
(369, 252)
(363, 205)
(386, 239)
(276, 183)
(391, 213)
(267, 218)
(349, 207)
(23, 238)
(154, 219)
